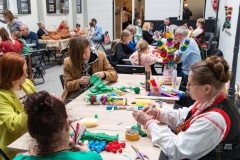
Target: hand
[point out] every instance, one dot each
(150, 111)
(101, 75)
(82, 147)
(141, 117)
(190, 28)
(57, 97)
(84, 80)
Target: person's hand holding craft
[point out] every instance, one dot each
(141, 117)
(150, 111)
(82, 147)
(101, 75)
(84, 80)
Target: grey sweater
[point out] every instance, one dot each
(13, 27)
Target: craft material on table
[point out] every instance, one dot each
(132, 135)
(98, 137)
(127, 108)
(105, 99)
(140, 155)
(157, 98)
(141, 133)
(78, 132)
(89, 122)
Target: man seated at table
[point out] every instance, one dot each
(82, 63)
(164, 25)
(30, 37)
(97, 31)
(189, 56)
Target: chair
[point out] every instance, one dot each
(209, 43)
(173, 18)
(129, 69)
(99, 43)
(62, 80)
(64, 54)
(3, 155)
(37, 67)
(49, 51)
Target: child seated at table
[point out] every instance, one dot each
(16, 35)
(142, 57)
(7, 44)
(121, 50)
(132, 30)
(78, 27)
(91, 30)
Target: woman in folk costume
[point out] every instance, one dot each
(209, 129)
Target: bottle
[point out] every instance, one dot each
(147, 74)
(174, 78)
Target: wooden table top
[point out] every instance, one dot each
(111, 123)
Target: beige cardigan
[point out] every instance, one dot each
(72, 75)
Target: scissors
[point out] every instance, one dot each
(140, 155)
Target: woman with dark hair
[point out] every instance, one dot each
(83, 62)
(209, 129)
(12, 22)
(9, 45)
(52, 141)
(14, 86)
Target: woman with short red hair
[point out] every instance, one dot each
(14, 86)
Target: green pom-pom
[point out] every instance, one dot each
(136, 90)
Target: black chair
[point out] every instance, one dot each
(4, 155)
(173, 18)
(43, 46)
(100, 43)
(37, 67)
(209, 43)
(64, 54)
(62, 80)
(129, 69)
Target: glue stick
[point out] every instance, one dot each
(131, 108)
(147, 74)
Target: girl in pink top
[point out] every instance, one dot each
(142, 57)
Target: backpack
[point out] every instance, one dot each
(202, 52)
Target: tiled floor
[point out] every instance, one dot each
(52, 82)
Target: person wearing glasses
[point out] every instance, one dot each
(82, 63)
(14, 86)
(189, 56)
(49, 125)
(209, 129)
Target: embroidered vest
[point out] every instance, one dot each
(229, 148)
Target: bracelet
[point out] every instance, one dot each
(157, 115)
(145, 126)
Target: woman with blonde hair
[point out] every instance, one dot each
(12, 22)
(199, 32)
(121, 50)
(142, 57)
(146, 34)
(138, 34)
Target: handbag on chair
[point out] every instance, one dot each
(106, 37)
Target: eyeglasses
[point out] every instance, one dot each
(176, 34)
(189, 84)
